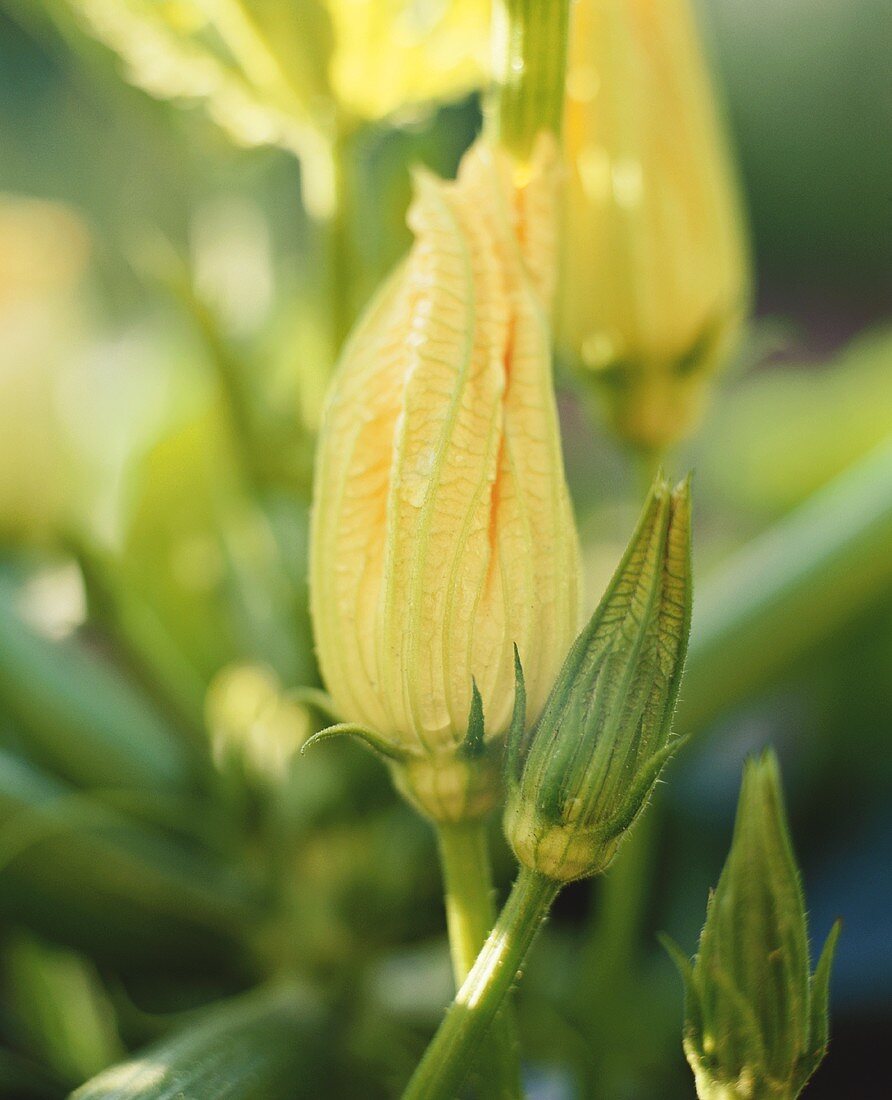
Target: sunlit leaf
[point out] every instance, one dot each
(261, 1047)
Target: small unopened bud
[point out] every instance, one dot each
(580, 779)
(755, 1020)
(256, 728)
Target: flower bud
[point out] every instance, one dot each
(756, 1022)
(442, 529)
(580, 779)
(656, 269)
(255, 728)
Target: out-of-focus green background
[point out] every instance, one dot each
(165, 332)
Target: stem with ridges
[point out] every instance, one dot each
(451, 1053)
(529, 71)
(470, 915)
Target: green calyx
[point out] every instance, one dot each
(755, 1018)
(579, 780)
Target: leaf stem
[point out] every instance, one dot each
(451, 1053)
(470, 915)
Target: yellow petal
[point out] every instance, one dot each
(442, 529)
(656, 271)
(393, 54)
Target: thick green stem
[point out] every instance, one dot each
(529, 71)
(452, 1052)
(467, 878)
(470, 915)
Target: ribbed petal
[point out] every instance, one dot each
(443, 532)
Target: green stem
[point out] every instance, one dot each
(529, 71)
(470, 915)
(609, 955)
(467, 878)
(341, 245)
(452, 1051)
(328, 192)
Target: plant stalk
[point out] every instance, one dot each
(529, 44)
(452, 1052)
(470, 915)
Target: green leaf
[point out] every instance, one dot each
(24, 1079)
(82, 718)
(796, 584)
(84, 875)
(260, 1047)
(57, 1001)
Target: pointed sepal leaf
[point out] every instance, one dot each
(368, 737)
(685, 968)
(516, 731)
(820, 997)
(474, 742)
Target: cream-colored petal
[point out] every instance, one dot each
(442, 529)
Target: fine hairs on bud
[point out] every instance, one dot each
(579, 780)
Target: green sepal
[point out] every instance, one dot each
(515, 741)
(636, 799)
(474, 742)
(820, 998)
(263, 1044)
(368, 737)
(685, 968)
(741, 1024)
(682, 962)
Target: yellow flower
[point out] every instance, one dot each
(273, 73)
(442, 528)
(656, 272)
(390, 54)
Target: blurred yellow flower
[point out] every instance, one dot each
(254, 726)
(392, 54)
(656, 268)
(269, 73)
(442, 528)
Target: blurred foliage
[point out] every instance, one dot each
(169, 313)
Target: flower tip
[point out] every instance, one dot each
(682, 490)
